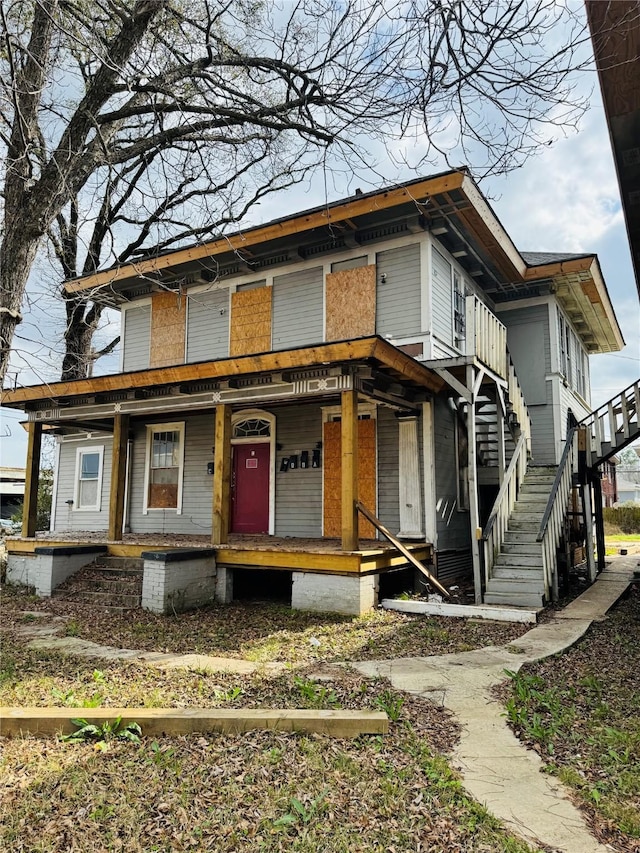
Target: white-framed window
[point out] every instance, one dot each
(88, 482)
(164, 467)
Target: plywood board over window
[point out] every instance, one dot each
(168, 319)
(351, 303)
(332, 451)
(251, 321)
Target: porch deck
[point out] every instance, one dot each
(249, 551)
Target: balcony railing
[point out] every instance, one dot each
(486, 336)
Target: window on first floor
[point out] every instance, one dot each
(88, 489)
(165, 463)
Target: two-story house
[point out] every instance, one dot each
(393, 349)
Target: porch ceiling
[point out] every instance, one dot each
(183, 380)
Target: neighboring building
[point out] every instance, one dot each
(608, 471)
(392, 347)
(11, 491)
(628, 492)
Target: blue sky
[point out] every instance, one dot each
(565, 199)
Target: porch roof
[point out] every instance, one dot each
(372, 351)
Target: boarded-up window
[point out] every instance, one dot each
(168, 318)
(251, 321)
(367, 480)
(351, 304)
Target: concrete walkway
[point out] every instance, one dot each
(496, 768)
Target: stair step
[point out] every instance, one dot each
(534, 489)
(519, 560)
(104, 586)
(513, 573)
(534, 583)
(121, 564)
(521, 537)
(530, 548)
(515, 599)
(521, 525)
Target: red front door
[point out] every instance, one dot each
(250, 488)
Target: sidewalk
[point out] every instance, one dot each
(496, 768)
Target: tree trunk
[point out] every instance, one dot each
(17, 254)
(78, 337)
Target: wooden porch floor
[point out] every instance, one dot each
(249, 551)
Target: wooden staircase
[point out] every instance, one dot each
(527, 523)
(517, 577)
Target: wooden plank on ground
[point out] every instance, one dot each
(180, 721)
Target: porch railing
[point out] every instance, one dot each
(498, 522)
(486, 336)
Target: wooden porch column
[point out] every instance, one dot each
(349, 435)
(32, 475)
(472, 480)
(221, 476)
(118, 476)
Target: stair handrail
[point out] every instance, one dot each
(566, 454)
(604, 419)
(496, 526)
(552, 523)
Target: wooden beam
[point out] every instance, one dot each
(363, 349)
(221, 477)
(118, 476)
(32, 476)
(349, 474)
(17, 721)
(360, 206)
(404, 551)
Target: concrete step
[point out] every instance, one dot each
(103, 586)
(515, 599)
(121, 564)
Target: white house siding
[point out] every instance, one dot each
(297, 317)
(441, 297)
(298, 491)
(135, 337)
(452, 523)
(208, 325)
(398, 294)
(197, 484)
(529, 344)
(66, 517)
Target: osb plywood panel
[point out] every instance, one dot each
(332, 462)
(251, 321)
(168, 318)
(350, 297)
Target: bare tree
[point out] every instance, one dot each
(129, 128)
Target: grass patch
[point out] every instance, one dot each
(263, 632)
(261, 791)
(581, 712)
